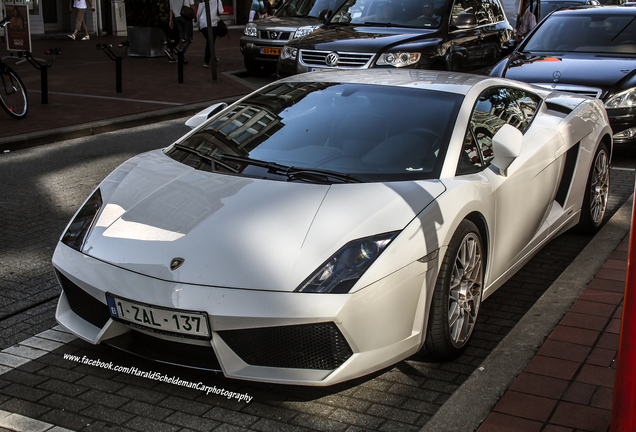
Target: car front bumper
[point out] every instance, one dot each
(364, 331)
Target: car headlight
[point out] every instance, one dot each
(250, 30)
(289, 53)
(398, 59)
(77, 231)
(340, 272)
(304, 31)
(626, 99)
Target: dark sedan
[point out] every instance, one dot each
(584, 50)
(459, 35)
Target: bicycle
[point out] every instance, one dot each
(13, 97)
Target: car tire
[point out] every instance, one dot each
(457, 295)
(596, 192)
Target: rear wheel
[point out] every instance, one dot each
(596, 192)
(13, 96)
(457, 296)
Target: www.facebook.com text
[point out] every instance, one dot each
(157, 376)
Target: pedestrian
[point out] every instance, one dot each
(80, 5)
(256, 10)
(216, 10)
(527, 22)
(183, 24)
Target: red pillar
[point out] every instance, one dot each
(623, 418)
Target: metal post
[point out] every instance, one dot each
(180, 67)
(625, 382)
(118, 74)
(211, 39)
(44, 82)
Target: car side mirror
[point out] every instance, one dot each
(465, 21)
(202, 116)
(324, 15)
(506, 145)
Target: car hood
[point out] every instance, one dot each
(287, 22)
(235, 231)
(591, 71)
(363, 39)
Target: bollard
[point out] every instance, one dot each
(107, 49)
(623, 404)
(43, 67)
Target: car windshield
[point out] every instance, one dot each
(397, 13)
(326, 133)
(304, 8)
(603, 34)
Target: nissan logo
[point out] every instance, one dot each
(332, 59)
(556, 75)
(273, 35)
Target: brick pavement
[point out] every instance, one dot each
(569, 384)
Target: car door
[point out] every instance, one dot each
(523, 195)
(493, 33)
(466, 46)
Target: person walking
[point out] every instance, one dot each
(216, 10)
(80, 5)
(183, 24)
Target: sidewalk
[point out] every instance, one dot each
(82, 88)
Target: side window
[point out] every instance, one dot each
(462, 6)
(495, 107)
(493, 11)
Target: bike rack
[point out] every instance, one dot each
(107, 49)
(43, 66)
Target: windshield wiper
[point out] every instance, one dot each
(292, 173)
(259, 163)
(214, 162)
(321, 176)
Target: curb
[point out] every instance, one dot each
(23, 141)
(469, 406)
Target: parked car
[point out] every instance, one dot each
(547, 6)
(584, 50)
(263, 40)
(331, 224)
(457, 35)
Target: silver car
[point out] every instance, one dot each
(263, 40)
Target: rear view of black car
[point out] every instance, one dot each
(457, 35)
(584, 50)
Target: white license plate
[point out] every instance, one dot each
(158, 319)
(314, 69)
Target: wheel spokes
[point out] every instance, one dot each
(465, 289)
(599, 190)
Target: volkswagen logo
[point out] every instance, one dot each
(556, 75)
(176, 263)
(332, 59)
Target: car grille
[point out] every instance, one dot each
(274, 35)
(165, 351)
(83, 304)
(311, 346)
(346, 60)
(593, 92)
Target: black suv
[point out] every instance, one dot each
(456, 35)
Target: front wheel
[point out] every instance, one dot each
(457, 296)
(596, 192)
(13, 96)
